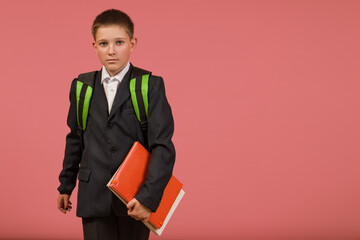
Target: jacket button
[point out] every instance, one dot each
(112, 149)
(109, 125)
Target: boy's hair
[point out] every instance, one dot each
(113, 17)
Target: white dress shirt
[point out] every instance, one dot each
(111, 83)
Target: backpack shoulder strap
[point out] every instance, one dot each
(139, 86)
(84, 89)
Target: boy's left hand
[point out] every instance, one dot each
(138, 211)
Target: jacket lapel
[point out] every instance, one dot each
(100, 96)
(122, 93)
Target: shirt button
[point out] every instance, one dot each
(109, 125)
(112, 149)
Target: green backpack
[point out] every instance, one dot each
(139, 96)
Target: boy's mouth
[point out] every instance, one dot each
(111, 60)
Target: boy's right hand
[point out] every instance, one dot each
(63, 203)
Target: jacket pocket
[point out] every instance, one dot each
(84, 175)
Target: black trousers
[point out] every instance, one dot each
(114, 228)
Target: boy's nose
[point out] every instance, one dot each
(111, 49)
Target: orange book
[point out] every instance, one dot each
(131, 174)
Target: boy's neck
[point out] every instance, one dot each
(111, 74)
(120, 75)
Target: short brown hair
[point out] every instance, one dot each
(116, 17)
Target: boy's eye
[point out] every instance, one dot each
(102, 44)
(120, 42)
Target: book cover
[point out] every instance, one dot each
(131, 174)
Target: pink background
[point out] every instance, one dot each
(265, 96)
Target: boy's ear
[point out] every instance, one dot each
(133, 43)
(94, 46)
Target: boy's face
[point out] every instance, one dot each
(113, 47)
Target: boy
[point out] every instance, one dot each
(111, 130)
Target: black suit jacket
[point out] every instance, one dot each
(107, 140)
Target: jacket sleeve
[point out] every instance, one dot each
(72, 156)
(160, 132)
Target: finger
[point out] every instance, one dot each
(61, 205)
(60, 202)
(139, 217)
(66, 202)
(131, 204)
(130, 213)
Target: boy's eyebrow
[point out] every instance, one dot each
(101, 40)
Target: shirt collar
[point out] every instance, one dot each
(105, 75)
